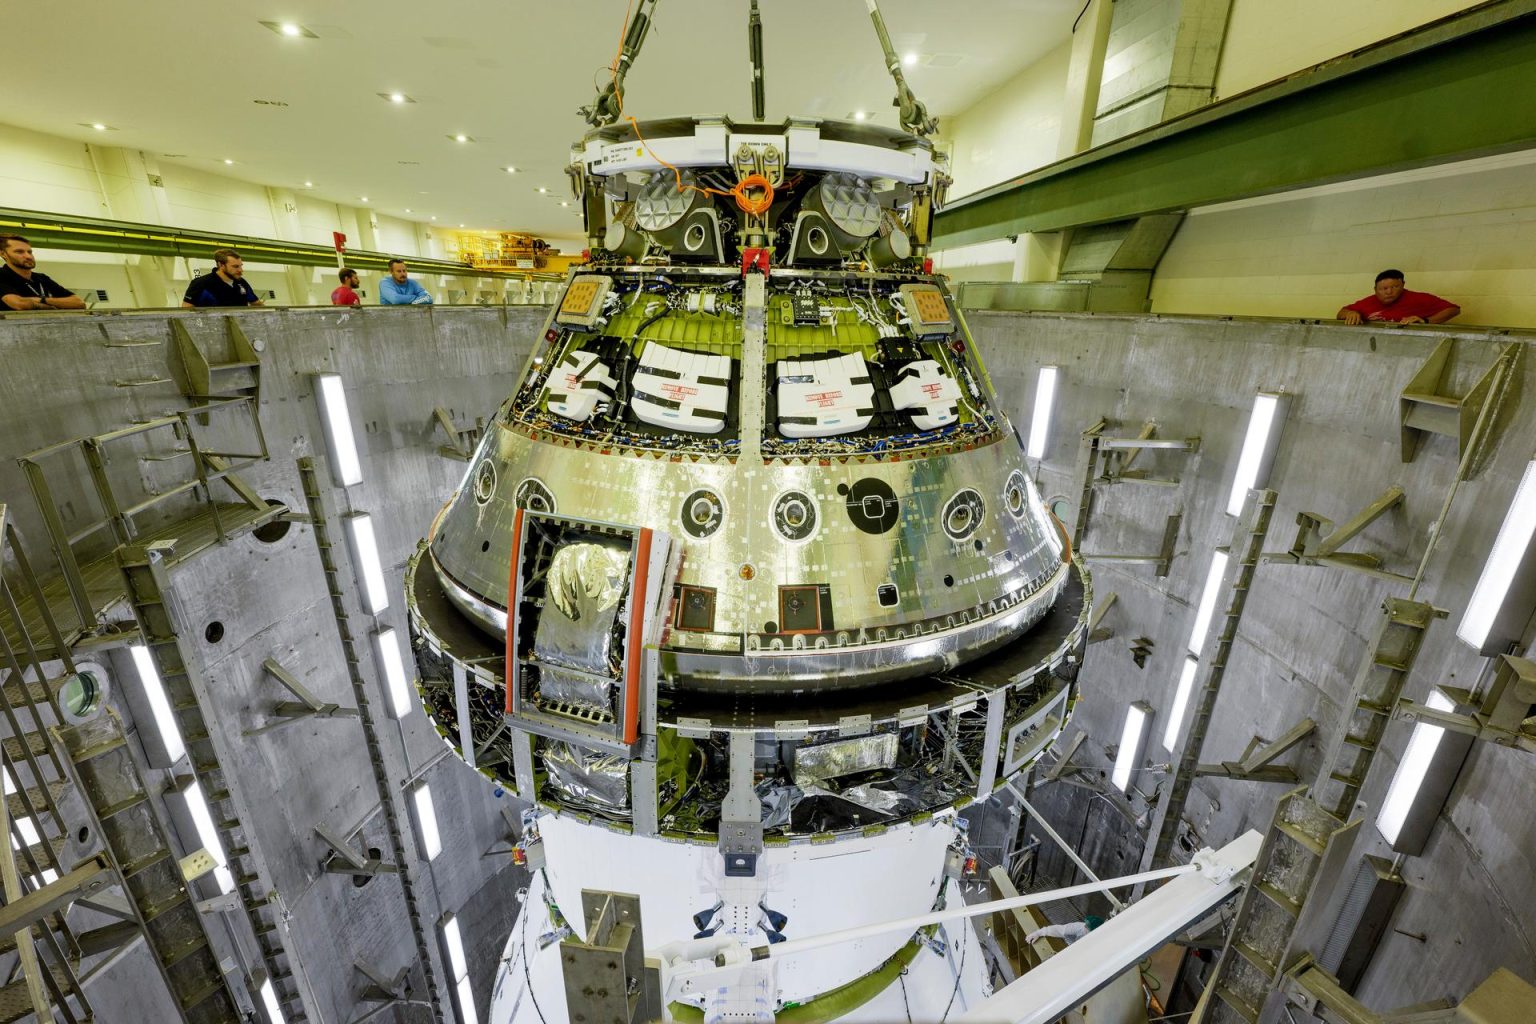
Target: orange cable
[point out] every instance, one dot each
(752, 182)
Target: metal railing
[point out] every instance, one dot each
(119, 513)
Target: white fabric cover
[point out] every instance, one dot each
(578, 384)
(824, 397)
(928, 393)
(681, 390)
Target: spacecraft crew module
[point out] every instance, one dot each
(749, 575)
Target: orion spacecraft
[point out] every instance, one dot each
(748, 589)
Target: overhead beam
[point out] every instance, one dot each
(97, 234)
(1435, 95)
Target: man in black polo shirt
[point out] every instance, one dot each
(22, 287)
(225, 286)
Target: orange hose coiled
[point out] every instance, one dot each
(748, 205)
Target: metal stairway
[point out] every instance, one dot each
(148, 587)
(148, 871)
(1310, 829)
(35, 781)
(1378, 684)
(1300, 839)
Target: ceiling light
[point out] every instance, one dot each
(362, 199)
(461, 137)
(1422, 783)
(510, 170)
(1258, 454)
(564, 203)
(434, 218)
(171, 745)
(1040, 418)
(229, 163)
(340, 442)
(461, 225)
(1500, 604)
(1207, 606)
(99, 126)
(859, 115)
(909, 59)
(1132, 736)
(426, 822)
(407, 209)
(365, 554)
(309, 184)
(1180, 702)
(196, 805)
(290, 29)
(387, 642)
(269, 1001)
(542, 190)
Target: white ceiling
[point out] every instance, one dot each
(182, 77)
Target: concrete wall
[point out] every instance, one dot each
(1465, 231)
(271, 601)
(1473, 891)
(1303, 635)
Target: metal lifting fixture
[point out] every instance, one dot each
(914, 114)
(609, 101)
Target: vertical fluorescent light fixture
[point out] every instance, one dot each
(1207, 606)
(1511, 549)
(1181, 694)
(207, 835)
(458, 966)
(426, 821)
(1133, 736)
(1040, 418)
(388, 643)
(269, 1003)
(1411, 771)
(1258, 453)
(365, 551)
(159, 703)
(346, 468)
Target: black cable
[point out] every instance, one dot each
(902, 977)
(1080, 15)
(527, 977)
(959, 973)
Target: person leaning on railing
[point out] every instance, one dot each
(22, 287)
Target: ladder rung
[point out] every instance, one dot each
(1255, 957)
(1232, 999)
(1302, 837)
(1360, 741)
(1280, 899)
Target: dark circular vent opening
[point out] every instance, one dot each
(277, 529)
(214, 631)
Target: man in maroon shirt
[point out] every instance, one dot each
(346, 295)
(1395, 304)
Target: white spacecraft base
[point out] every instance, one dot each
(820, 888)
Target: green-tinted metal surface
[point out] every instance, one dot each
(1456, 89)
(92, 234)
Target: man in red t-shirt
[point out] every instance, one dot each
(345, 295)
(1395, 304)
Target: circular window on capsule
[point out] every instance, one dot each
(485, 482)
(703, 512)
(963, 514)
(534, 496)
(794, 515)
(1014, 494)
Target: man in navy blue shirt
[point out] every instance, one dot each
(399, 290)
(225, 286)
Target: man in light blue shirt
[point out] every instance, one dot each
(399, 290)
